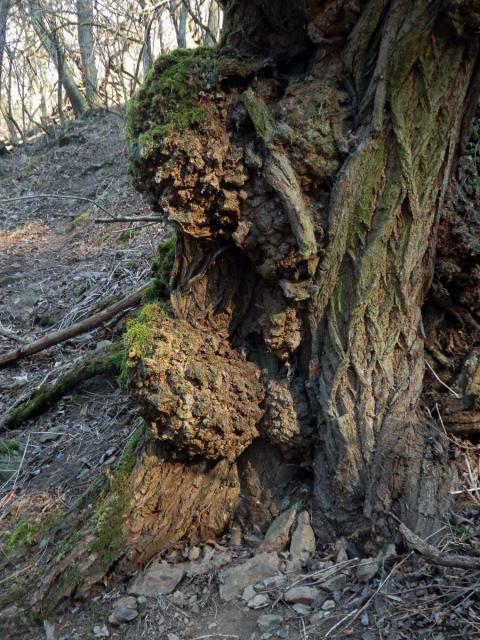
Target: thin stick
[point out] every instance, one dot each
(74, 330)
(130, 219)
(58, 197)
(442, 382)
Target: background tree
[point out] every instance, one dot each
(87, 52)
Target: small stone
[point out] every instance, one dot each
(328, 605)
(283, 632)
(341, 549)
(212, 625)
(125, 602)
(172, 636)
(302, 546)
(157, 579)
(248, 593)
(273, 582)
(317, 617)
(122, 615)
(194, 553)
(235, 579)
(364, 618)
(50, 436)
(278, 533)
(269, 622)
(259, 601)
(302, 609)
(49, 630)
(101, 631)
(301, 595)
(142, 600)
(367, 569)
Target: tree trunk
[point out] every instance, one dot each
(179, 13)
(50, 40)
(330, 187)
(305, 182)
(4, 9)
(87, 50)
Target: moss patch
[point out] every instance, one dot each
(162, 268)
(110, 513)
(169, 98)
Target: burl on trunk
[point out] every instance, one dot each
(303, 165)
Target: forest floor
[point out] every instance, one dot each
(57, 266)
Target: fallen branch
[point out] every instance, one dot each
(435, 556)
(106, 360)
(57, 196)
(130, 219)
(76, 329)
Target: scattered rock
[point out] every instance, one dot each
(317, 617)
(367, 569)
(122, 615)
(302, 546)
(235, 579)
(194, 553)
(49, 436)
(259, 601)
(209, 564)
(49, 630)
(283, 632)
(269, 622)
(364, 619)
(273, 582)
(341, 549)
(302, 609)
(157, 579)
(301, 595)
(248, 593)
(101, 631)
(328, 605)
(278, 533)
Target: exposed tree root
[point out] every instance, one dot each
(106, 360)
(433, 555)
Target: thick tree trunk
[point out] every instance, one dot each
(87, 50)
(329, 185)
(305, 184)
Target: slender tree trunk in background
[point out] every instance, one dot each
(179, 15)
(86, 41)
(4, 9)
(213, 23)
(51, 42)
(147, 55)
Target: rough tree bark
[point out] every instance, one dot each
(304, 166)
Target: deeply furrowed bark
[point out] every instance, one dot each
(305, 185)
